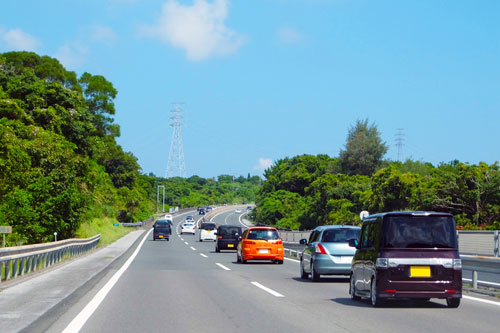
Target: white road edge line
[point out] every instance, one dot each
(272, 292)
(223, 267)
(192, 248)
(481, 300)
(289, 259)
(77, 323)
(204, 256)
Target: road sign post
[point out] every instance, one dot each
(5, 229)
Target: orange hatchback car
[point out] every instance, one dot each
(260, 243)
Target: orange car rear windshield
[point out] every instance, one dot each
(263, 234)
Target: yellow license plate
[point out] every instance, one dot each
(230, 245)
(420, 271)
(161, 236)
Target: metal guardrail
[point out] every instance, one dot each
(20, 260)
(480, 264)
(482, 243)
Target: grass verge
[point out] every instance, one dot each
(103, 226)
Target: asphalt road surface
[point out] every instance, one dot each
(184, 286)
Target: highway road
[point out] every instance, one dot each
(184, 286)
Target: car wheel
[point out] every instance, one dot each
(352, 289)
(279, 262)
(314, 275)
(201, 240)
(376, 302)
(453, 302)
(303, 274)
(243, 261)
(217, 249)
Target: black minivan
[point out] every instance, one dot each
(162, 229)
(407, 255)
(228, 237)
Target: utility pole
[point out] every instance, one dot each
(158, 197)
(176, 166)
(400, 138)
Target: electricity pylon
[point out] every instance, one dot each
(176, 166)
(399, 143)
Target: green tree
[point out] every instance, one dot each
(363, 151)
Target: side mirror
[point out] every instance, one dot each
(303, 241)
(353, 243)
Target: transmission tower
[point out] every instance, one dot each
(176, 166)
(400, 138)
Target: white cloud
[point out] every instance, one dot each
(263, 164)
(198, 29)
(99, 33)
(18, 40)
(72, 55)
(289, 35)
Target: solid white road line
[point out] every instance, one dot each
(80, 320)
(192, 248)
(484, 282)
(222, 266)
(482, 300)
(204, 256)
(272, 292)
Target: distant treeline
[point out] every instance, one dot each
(60, 164)
(306, 191)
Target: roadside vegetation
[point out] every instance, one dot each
(61, 169)
(305, 191)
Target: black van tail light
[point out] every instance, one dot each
(319, 249)
(220, 237)
(457, 263)
(393, 291)
(450, 291)
(382, 263)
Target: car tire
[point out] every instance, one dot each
(243, 261)
(201, 240)
(314, 275)
(217, 249)
(279, 262)
(376, 302)
(303, 274)
(453, 302)
(352, 290)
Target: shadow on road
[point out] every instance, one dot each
(329, 279)
(391, 304)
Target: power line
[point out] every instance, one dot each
(176, 166)
(400, 138)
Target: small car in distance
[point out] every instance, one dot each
(237, 210)
(201, 211)
(407, 255)
(188, 228)
(228, 237)
(327, 251)
(260, 243)
(162, 229)
(208, 231)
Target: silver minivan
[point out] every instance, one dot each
(327, 251)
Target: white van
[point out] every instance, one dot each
(208, 231)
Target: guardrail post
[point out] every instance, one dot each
(474, 279)
(495, 250)
(7, 269)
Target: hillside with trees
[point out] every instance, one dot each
(305, 191)
(60, 164)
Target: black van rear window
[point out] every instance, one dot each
(339, 235)
(419, 232)
(229, 231)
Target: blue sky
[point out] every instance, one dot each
(265, 79)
